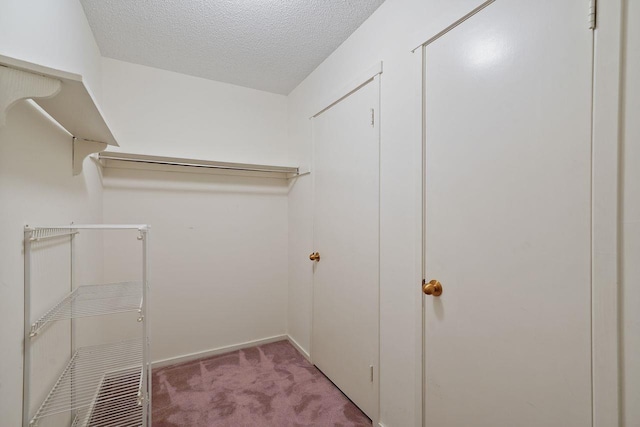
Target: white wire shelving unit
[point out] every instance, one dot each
(86, 378)
(124, 411)
(93, 300)
(101, 385)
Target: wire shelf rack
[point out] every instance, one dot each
(93, 300)
(125, 411)
(102, 383)
(49, 233)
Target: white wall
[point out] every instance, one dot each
(630, 226)
(218, 242)
(388, 35)
(36, 188)
(36, 184)
(218, 253)
(169, 114)
(55, 34)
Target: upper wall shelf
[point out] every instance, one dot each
(74, 106)
(63, 96)
(140, 161)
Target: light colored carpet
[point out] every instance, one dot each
(264, 386)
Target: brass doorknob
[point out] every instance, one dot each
(432, 288)
(314, 256)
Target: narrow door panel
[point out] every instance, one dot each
(346, 222)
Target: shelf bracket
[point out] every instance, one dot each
(16, 85)
(83, 148)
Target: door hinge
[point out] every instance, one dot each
(371, 370)
(592, 14)
(373, 115)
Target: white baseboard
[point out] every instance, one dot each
(299, 348)
(220, 350)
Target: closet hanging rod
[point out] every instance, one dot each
(194, 163)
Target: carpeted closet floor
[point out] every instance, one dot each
(264, 386)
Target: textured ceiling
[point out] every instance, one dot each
(270, 45)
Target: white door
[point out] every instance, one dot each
(346, 221)
(507, 218)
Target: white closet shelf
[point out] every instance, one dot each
(102, 381)
(110, 159)
(93, 300)
(74, 107)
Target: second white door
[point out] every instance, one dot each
(507, 219)
(346, 235)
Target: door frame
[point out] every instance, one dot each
(605, 205)
(371, 76)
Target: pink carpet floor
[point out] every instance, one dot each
(264, 386)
